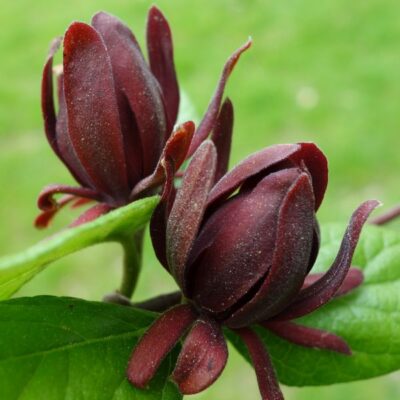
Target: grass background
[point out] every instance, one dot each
(318, 71)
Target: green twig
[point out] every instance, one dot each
(133, 247)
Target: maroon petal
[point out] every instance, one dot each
(249, 167)
(133, 77)
(172, 158)
(93, 119)
(91, 214)
(158, 223)
(161, 58)
(188, 209)
(353, 279)
(46, 201)
(65, 147)
(158, 304)
(157, 342)
(175, 150)
(48, 109)
(317, 165)
(202, 358)
(222, 137)
(307, 336)
(267, 382)
(129, 127)
(52, 124)
(289, 264)
(234, 250)
(80, 202)
(386, 217)
(44, 218)
(322, 291)
(315, 244)
(211, 115)
(306, 153)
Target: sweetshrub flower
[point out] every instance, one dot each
(241, 247)
(114, 126)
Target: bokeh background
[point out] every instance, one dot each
(318, 71)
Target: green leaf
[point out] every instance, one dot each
(367, 318)
(62, 348)
(16, 270)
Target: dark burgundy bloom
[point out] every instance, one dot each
(114, 127)
(241, 247)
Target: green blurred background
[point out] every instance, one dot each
(318, 71)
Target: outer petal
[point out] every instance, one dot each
(48, 109)
(175, 149)
(161, 58)
(251, 166)
(326, 287)
(157, 342)
(158, 223)
(308, 337)
(91, 214)
(45, 217)
(64, 143)
(222, 137)
(159, 303)
(173, 156)
(273, 157)
(51, 123)
(267, 382)
(315, 244)
(133, 77)
(211, 115)
(289, 264)
(188, 209)
(46, 201)
(93, 119)
(129, 127)
(353, 279)
(236, 246)
(202, 358)
(386, 217)
(317, 165)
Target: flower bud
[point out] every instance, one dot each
(241, 249)
(116, 113)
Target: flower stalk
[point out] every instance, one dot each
(132, 264)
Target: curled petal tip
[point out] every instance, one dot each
(209, 120)
(324, 289)
(234, 58)
(54, 46)
(155, 10)
(174, 152)
(387, 216)
(178, 144)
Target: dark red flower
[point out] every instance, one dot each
(241, 248)
(114, 126)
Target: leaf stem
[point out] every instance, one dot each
(132, 263)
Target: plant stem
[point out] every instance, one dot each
(160, 303)
(133, 247)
